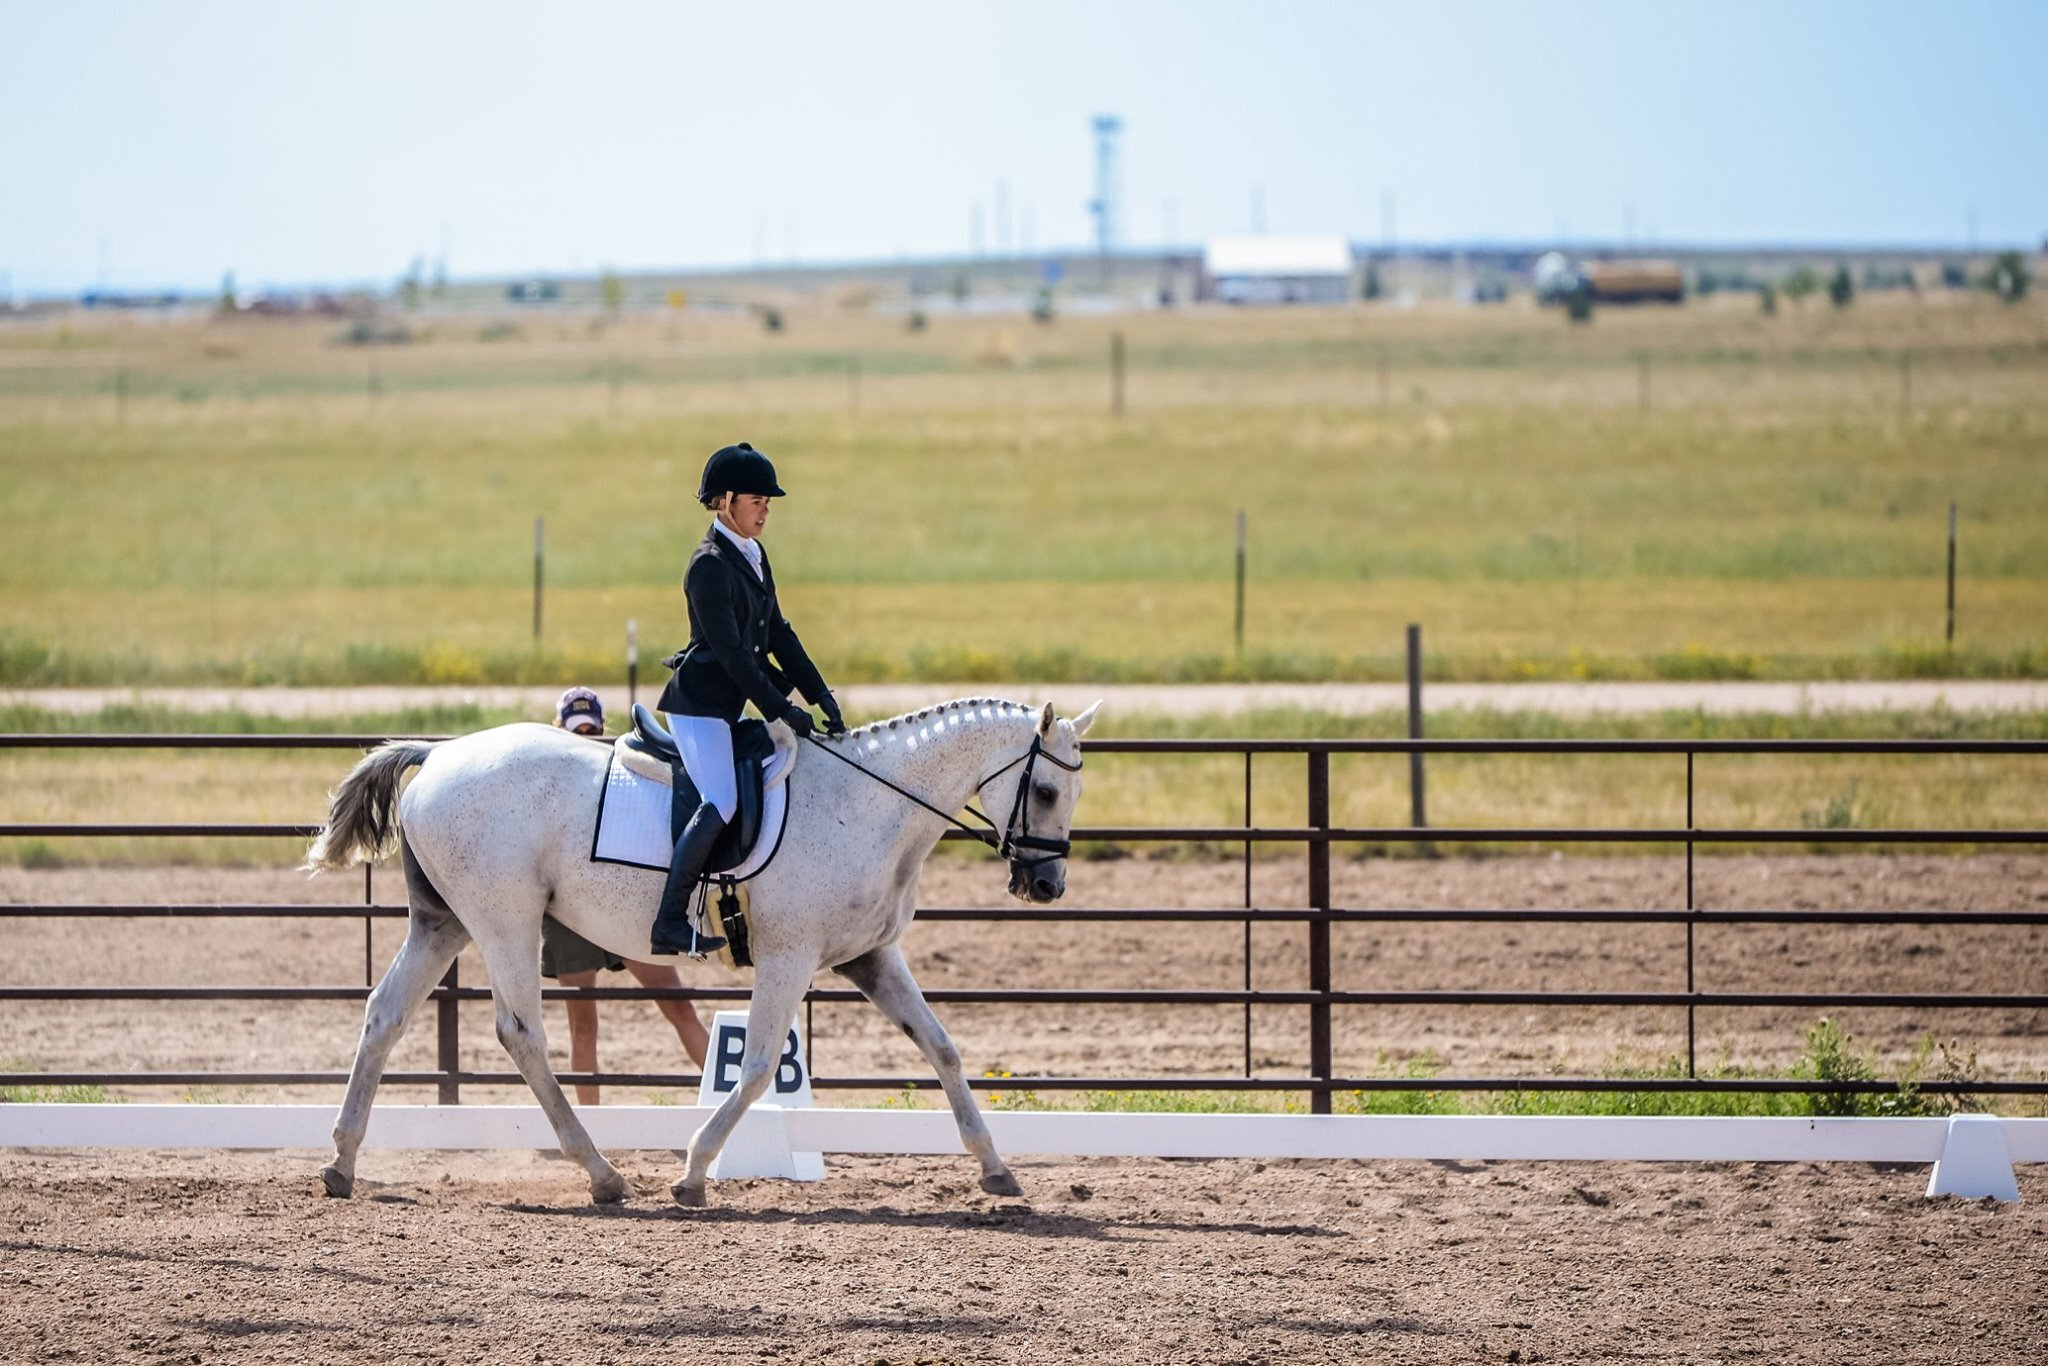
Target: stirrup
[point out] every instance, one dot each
(698, 945)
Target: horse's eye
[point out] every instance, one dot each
(1046, 793)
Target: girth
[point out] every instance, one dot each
(751, 746)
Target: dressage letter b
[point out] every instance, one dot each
(789, 1077)
(732, 1048)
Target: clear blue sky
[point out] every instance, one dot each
(162, 144)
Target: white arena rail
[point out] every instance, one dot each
(1972, 1154)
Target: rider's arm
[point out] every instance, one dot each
(789, 653)
(715, 600)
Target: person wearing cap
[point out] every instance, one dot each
(742, 649)
(580, 712)
(572, 960)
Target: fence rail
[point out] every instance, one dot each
(1320, 998)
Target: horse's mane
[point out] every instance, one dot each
(1004, 707)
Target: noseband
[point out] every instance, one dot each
(1017, 831)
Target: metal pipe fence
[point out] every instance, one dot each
(1321, 999)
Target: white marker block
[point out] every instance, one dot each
(759, 1144)
(1974, 1162)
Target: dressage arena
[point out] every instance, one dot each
(177, 1255)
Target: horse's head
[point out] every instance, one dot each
(1040, 799)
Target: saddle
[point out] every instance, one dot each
(752, 744)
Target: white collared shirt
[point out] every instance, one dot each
(748, 546)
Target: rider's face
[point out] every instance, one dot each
(746, 513)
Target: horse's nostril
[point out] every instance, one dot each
(1044, 888)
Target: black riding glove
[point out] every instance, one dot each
(835, 724)
(799, 721)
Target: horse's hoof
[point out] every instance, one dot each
(687, 1195)
(608, 1191)
(338, 1184)
(1001, 1183)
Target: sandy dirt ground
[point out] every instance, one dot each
(176, 1257)
(184, 1256)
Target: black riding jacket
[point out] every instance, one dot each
(741, 648)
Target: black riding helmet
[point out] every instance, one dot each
(738, 469)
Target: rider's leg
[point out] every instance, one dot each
(706, 744)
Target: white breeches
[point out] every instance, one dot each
(706, 743)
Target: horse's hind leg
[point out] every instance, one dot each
(433, 938)
(513, 956)
(884, 978)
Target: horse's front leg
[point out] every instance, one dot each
(884, 978)
(778, 991)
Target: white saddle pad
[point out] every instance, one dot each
(632, 821)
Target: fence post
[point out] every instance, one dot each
(1239, 636)
(1951, 575)
(1116, 374)
(1417, 806)
(448, 1045)
(1691, 914)
(1319, 930)
(369, 900)
(539, 553)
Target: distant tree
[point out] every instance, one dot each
(227, 292)
(916, 322)
(1841, 290)
(1799, 284)
(612, 290)
(1371, 289)
(409, 287)
(440, 287)
(2009, 277)
(1954, 276)
(1767, 299)
(771, 318)
(1041, 307)
(962, 287)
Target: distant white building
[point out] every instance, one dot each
(1276, 269)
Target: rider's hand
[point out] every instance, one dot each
(835, 724)
(799, 720)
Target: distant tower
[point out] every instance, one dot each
(1104, 205)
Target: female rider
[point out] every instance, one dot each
(741, 650)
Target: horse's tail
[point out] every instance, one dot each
(362, 813)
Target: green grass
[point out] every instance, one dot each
(1829, 1055)
(249, 517)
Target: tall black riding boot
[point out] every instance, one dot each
(673, 932)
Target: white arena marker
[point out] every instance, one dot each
(1974, 1162)
(759, 1146)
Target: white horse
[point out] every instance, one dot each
(497, 830)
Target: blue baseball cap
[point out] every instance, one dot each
(579, 707)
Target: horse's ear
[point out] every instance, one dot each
(1086, 719)
(1045, 722)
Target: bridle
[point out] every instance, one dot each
(1015, 834)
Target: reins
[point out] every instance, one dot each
(1011, 837)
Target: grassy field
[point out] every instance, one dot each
(1806, 791)
(256, 502)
